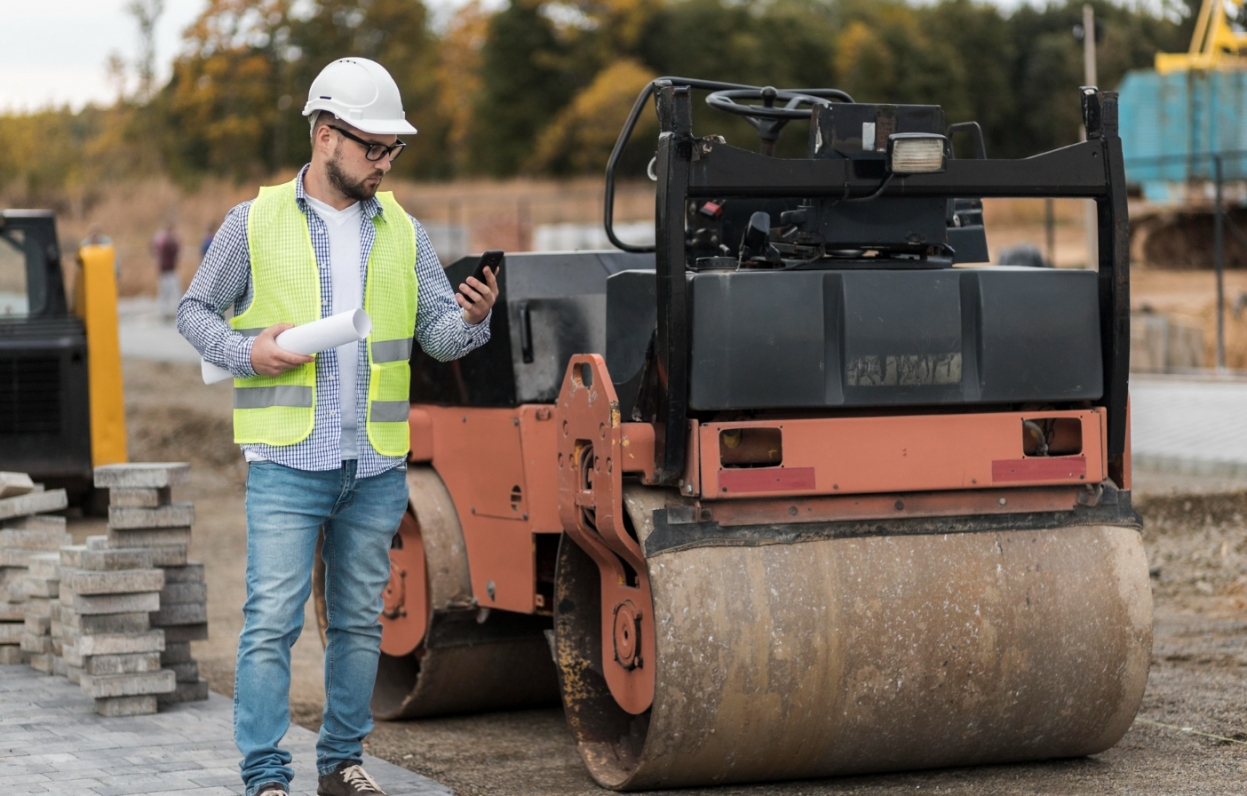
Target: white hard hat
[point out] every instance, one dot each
(361, 93)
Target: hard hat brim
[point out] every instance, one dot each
(383, 126)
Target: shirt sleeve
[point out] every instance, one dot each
(222, 279)
(440, 327)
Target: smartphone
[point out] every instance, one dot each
(491, 260)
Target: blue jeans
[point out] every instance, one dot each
(285, 510)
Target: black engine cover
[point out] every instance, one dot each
(808, 339)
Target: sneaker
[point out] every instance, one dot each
(349, 780)
(272, 789)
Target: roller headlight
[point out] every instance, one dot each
(916, 153)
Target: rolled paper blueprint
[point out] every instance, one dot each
(310, 338)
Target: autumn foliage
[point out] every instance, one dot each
(541, 88)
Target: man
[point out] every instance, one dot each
(326, 438)
(165, 247)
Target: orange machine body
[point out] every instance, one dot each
(501, 467)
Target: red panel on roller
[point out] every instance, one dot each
(766, 479)
(1039, 469)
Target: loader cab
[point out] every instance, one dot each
(44, 409)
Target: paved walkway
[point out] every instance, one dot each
(146, 335)
(51, 741)
(1189, 425)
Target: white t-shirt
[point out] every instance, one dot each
(345, 255)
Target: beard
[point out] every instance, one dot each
(359, 190)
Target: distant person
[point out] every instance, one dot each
(95, 237)
(208, 236)
(165, 248)
(326, 438)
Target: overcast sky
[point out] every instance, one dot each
(53, 52)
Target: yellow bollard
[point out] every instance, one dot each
(95, 301)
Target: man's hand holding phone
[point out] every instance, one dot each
(477, 295)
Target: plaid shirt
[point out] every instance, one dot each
(224, 279)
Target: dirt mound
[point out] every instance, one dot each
(176, 433)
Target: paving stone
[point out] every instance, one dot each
(16, 557)
(42, 587)
(58, 666)
(36, 522)
(12, 655)
(168, 555)
(176, 652)
(139, 497)
(73, 673)
(12, 612)
(41, 662)
(192, 572)
(95, 624)
(115, 603)
(13, 484)
(148, 537)
(56, 647)
(56, 609)
(185, 692)
(122, 581)
(182, 593)
(132, 663)
(38, 625)
(120, 643)
(11, 632)
(38, 606)
(33, 644)
(97, 542)
(45, 565)
(185, 672)
(174, 515)
(114, 707)
(180, 614)
(185, 750)
(142, 475)
(81, 557)
(160, 682)
(33, 503)
(178, 633)
(14, 592)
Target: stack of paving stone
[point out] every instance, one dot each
(141, 514)
(42, 585)
(24, 534)
(109, 646)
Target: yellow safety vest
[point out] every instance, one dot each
(280, 410)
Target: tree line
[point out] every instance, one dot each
(541, 88)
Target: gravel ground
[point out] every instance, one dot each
(1190, 736)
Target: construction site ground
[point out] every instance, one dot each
(1190, 736)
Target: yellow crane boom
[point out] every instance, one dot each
(1216, 45)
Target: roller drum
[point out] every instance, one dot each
(869, 654)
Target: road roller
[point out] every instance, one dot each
(808, 487)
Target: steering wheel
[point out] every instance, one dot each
(769, 119)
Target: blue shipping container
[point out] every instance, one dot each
(1182, 114)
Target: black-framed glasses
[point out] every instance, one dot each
(374, 151)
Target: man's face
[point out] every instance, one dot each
(347, 167)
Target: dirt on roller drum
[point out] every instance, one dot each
(1189, 738)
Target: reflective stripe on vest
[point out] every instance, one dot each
(260, 397)
(285, 279)
(388, 411)
(392, 350)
